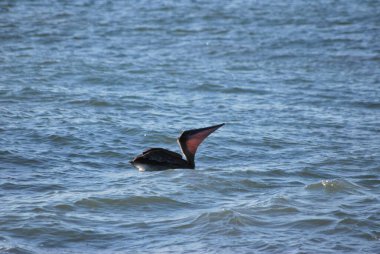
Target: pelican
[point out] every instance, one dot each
(156, 159)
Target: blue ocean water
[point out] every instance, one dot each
(87, 85)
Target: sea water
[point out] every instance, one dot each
(87, 85)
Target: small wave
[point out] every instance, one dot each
(12, 186)
(5, 153)
(56, 138)
(134, 201)
(372, 183)
(244, 90)
(277, 143)
(15, 250)
(63, 139)
(64, 207)
(107, 154)
(33, 93)
(349, 221)
(144, 28)
(281, 210)
(311, 223)
(130, 130)
(92, 102)
(39, 188)
(249, 173)
(228, 90)
(208, 87)
(367, 104)
(334, 185)
(184, 32)
(13, 157)
(255, 184)
(138, 225)
(239, 181)
(309, 172)
(26, 91)
(222, 218)
(52, 236)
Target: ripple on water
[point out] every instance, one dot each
(335, 185)
(64, 207)
(211, 87)
(95, 102)
(15, 250)
(107, 154)
(220, 220)
(132, 202)
(367, 104)
(16, 158)
(311, 223)
(61, 139)
(34, 187)
(278, 210)
(226, 186)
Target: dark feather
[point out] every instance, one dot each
(161, 159)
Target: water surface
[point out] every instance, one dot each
(87, 85)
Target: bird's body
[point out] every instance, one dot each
(156, 159)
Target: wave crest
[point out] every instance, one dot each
(334, 185)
